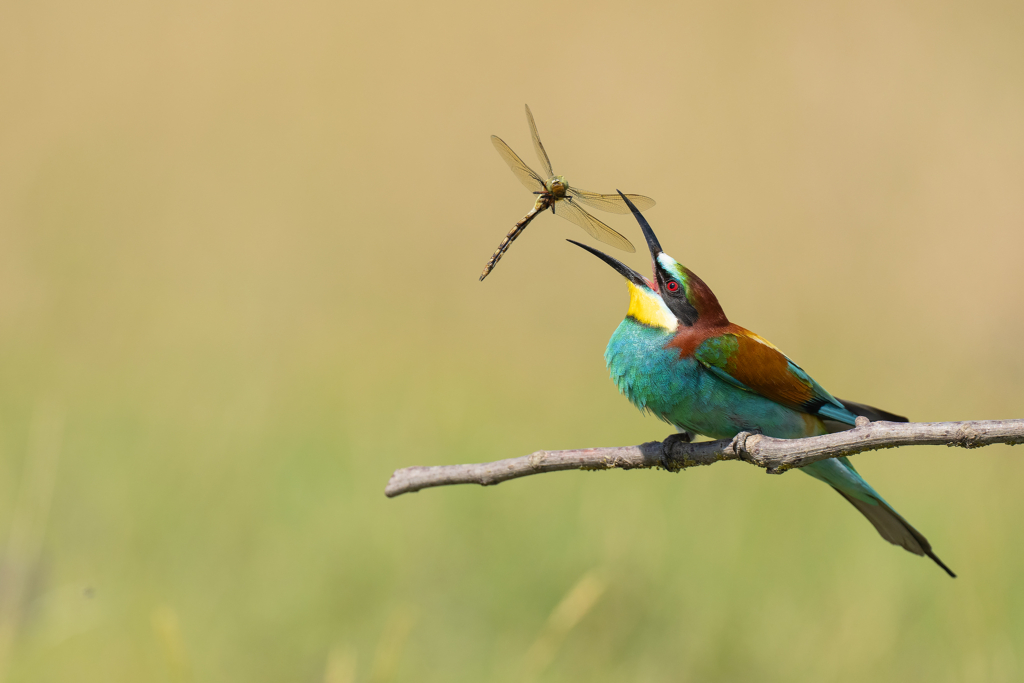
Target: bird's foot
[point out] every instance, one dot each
(668, 445)
(740, 441)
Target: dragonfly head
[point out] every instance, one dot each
(673, 296)
(557, 185)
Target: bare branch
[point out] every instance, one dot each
(775, 455)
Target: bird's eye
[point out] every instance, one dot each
(672, 286)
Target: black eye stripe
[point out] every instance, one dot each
(677, 302)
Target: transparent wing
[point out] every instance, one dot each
(542, 154)
(571, 211)
(527, 177)
(611, 202)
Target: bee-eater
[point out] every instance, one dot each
(677, 356)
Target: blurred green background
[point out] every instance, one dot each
(239, 249)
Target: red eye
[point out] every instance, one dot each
(672, 286)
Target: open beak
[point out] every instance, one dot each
(652, 244)
(620, 267)
(652, 240)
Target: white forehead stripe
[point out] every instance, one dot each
(667, 262)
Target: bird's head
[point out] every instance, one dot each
(674, 296)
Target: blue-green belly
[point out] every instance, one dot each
(681, 392)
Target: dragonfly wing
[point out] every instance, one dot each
(527, 177)
(611, 203)
(542, 154)
(571, 211)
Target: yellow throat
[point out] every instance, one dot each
(647, 307)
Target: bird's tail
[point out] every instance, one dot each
(840, 475)
(871, 413)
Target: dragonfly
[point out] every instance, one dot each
(556, 192)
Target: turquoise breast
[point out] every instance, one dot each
(681, 392)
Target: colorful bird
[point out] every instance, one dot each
(677, 356)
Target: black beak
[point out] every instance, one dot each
(620, 267)
(652, 239)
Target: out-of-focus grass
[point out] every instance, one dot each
(238, 254)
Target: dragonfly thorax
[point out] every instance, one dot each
(557, 186)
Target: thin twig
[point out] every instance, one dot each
(775, 455)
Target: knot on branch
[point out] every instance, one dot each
(966, 436)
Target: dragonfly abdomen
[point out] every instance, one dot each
(543, 202)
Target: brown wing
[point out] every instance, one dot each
(742, 357)
(766, 370)
(611, 203)
(527, 177)
(568, 210)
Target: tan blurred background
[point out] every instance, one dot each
(239, 244)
